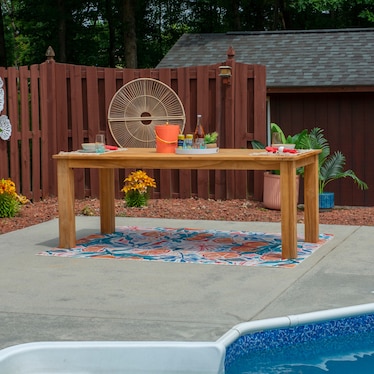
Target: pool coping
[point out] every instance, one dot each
(293, 320)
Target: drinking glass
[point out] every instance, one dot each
(275, 139)
(100, 143)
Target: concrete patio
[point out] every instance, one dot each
(55, 299)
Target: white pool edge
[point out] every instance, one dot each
(94, 357)
(293, 320)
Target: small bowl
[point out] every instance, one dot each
(89, 147)
(288, 146)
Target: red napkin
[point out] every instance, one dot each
(285, 150)
(111, 147)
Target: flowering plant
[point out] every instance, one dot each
(136, 188)
(10, 201)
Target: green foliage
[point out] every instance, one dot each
(9, 205)
(256, 144)
(211, 138)
(300, 140)
(92, 33)
(136, 188)
(332, 14)
(331, 167)
(136, 199)
(88, 211)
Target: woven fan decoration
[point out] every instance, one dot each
(5, 125)
(140, 105)
(1, 96)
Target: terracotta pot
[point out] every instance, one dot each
(271, 198)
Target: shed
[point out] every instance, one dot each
(315, 78)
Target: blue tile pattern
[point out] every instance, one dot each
(301, 343)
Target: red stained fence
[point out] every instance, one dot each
(55, 107)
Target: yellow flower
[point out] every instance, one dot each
(136, 188)
(138, 181)
(8, 186)
(23, 199)
(10, 201)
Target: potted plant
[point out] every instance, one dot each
(330, 167)
(211, 139)
(271, 191)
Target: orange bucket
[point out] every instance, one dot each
(166, 138)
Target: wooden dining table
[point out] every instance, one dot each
(224, 159)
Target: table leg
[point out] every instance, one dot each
(66, 214)
(288, 210)
(311, 205)
(107, 206)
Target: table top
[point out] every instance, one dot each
(223, 153)
(234, 159)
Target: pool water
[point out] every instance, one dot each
(340, 346)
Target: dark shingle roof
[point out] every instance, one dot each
(292, 58)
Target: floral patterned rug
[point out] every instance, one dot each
(190, 246)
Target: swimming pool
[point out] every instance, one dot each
(334, 341)
(306, 343)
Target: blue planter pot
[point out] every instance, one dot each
(326, 200)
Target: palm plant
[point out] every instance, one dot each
(298, 139)
(331, 166)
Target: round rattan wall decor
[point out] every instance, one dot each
(140, 105)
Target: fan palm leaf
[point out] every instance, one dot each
(317, 140)
(332, 169)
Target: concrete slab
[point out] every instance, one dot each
(49, 298)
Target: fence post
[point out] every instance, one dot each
(260, 128)
(48, 123)
(228, 99)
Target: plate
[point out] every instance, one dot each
(206, 151)
(88, 151)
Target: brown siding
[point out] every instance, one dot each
(347, 120)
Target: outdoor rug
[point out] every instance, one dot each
(186, 245)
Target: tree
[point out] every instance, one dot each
(62, 29)
(330, 14)
(109, 14)
(138, 33)
(129, 36)
(3, 61)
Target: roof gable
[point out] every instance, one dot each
(341, 57)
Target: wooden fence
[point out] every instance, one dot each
(55, 107)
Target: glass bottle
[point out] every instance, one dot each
(199, 133)
(188, 141)
(180, 140)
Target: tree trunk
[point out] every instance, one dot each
(130, 33)
(3, 61)
(110, 18)
(62, 31)
(235, 15)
